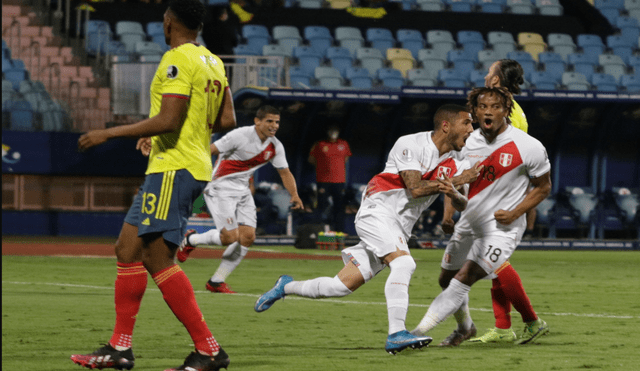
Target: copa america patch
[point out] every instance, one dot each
(408, 156)
(172, 72)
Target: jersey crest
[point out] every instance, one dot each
(505, 159)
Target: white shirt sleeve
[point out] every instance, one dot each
(228, 142)
(405, 154)
(279, 161)
(537, 160)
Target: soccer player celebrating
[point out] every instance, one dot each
(228, 197)
(416, 172)
(492, 225)
(190, 99)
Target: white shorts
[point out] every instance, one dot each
(489, 252)
(230, 211)
(381, 235)
(363, 258)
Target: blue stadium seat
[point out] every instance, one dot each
(276, 50)
(148, 48)
(421, 77)
(543, 80)
(390, 78)
(319, 37)
(359, 77)
(591, 45)
(471, 41)
(441, 41)
(629, 28)
(97, 34)
(286, 36)
(15, 75)
(553, 64)
(310, 4)
(256, 36)
(380, 38)
(492, 6)
(328, 77)
(130, 33)
(431, 5)
(371, 59)
(350, 38)
(583, 64)
(300, 79)
(634, 62)
(562, 44)
(584, 202)
(604, 82)
(409, 4)
(610, 9)
(549, 7)
(501, 42)
(631, 83)
(486, 58)
(621, 46)
(308, 58)
(340, 58)
(155, 28)
(463, 61)
(410, 39)
(575, 81)
(451, 78)
(218, 2)
(521, 7)
(22, 116)
(613, 65)
(243, 49)
(526, 61)
(477, 77)
(461, 6)
(627, 202)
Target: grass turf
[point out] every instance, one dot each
(53, 307)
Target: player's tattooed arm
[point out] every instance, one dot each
(418, 187)
(467, 176)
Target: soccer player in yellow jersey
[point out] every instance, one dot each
(507, 287)
(190, 99)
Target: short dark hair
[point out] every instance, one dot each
(505, 97)
(191, 13)
(447, 112)
(511, 75)
(267, 110)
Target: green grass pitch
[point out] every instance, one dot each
(53, 307)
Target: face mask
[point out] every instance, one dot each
(333, 134)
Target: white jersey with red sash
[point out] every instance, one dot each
(509, 161)
(241, 154)
(386, 192)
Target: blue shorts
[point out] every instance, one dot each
(164, 203)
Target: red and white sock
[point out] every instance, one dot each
(130, 286)
(178, 293)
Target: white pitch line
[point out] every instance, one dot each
(334, 301)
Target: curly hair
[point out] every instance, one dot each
(505, 97)
(511, 75)
(267, 110)
(191, 13)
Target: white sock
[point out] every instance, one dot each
(231, 257)
(463, 316)
(211, 237)
(443, 306)
(321, 287)
(396, 290)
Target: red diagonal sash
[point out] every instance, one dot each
(227, 167)
(499, 163)
(387, 181)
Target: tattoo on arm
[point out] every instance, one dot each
(418, 187)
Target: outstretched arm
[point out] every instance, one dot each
(289, 183)
(540, 191)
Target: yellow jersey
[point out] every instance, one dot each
(190, 72)
(518, 118)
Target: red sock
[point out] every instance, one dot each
(178, 293)
(131, 283)
(513, 290)
(501, 306)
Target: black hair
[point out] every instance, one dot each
(267, 110)
(511, 75)
(191, 13)
(505, 97)
(447, 112)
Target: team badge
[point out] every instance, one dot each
(172, 72)
(505, 159)
(442, 171)
(408, 156)
(267, 155)
(229, 221)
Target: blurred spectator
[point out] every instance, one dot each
(330, 157)
(220, 30)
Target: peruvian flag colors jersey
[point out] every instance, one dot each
(241, 154)
(387, 196)
(509, 161)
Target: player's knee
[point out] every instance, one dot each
(229, 237)
(247, 238)
(403, 263)
(336, 289)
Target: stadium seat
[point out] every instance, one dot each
(22, 115)
(486, 58)
(549, 7)
(562, 44)
(440, 41)
(410, 39)
(451, 78)
(155, 28)
(543, 80)
(390, 77)
(492, 6)
(471, 41)
(477, 77)
(286, 36)
(526, 61)
(610, 9)
(584, 202)
(15, 75)
(400, 59)
(544, 212)
(328, 77)
(462, 6)
(276, 50)
(627, 202)
(350, 38)
(409, 4)
(148, 48)
(299, 78)
(431, 62)
(634, 62)
(130, 33)
(380, 38)
(553, 64)
(620, 46)
(591, 45)
(243, 49)
(359, 77)
(631, 83)
(532, 43)
(575, 81)
(525, 7)
(613, 65)
(462, 61)
(371, 59)
(421, 77)
(256, 36)
(97, 34)
(502, 43)
(308, 58)
(310, 4)
(629, 28)
(583, 64)
(340, 58)
(318, 37)
(281, 200)
(604, 82)
(431, 5)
